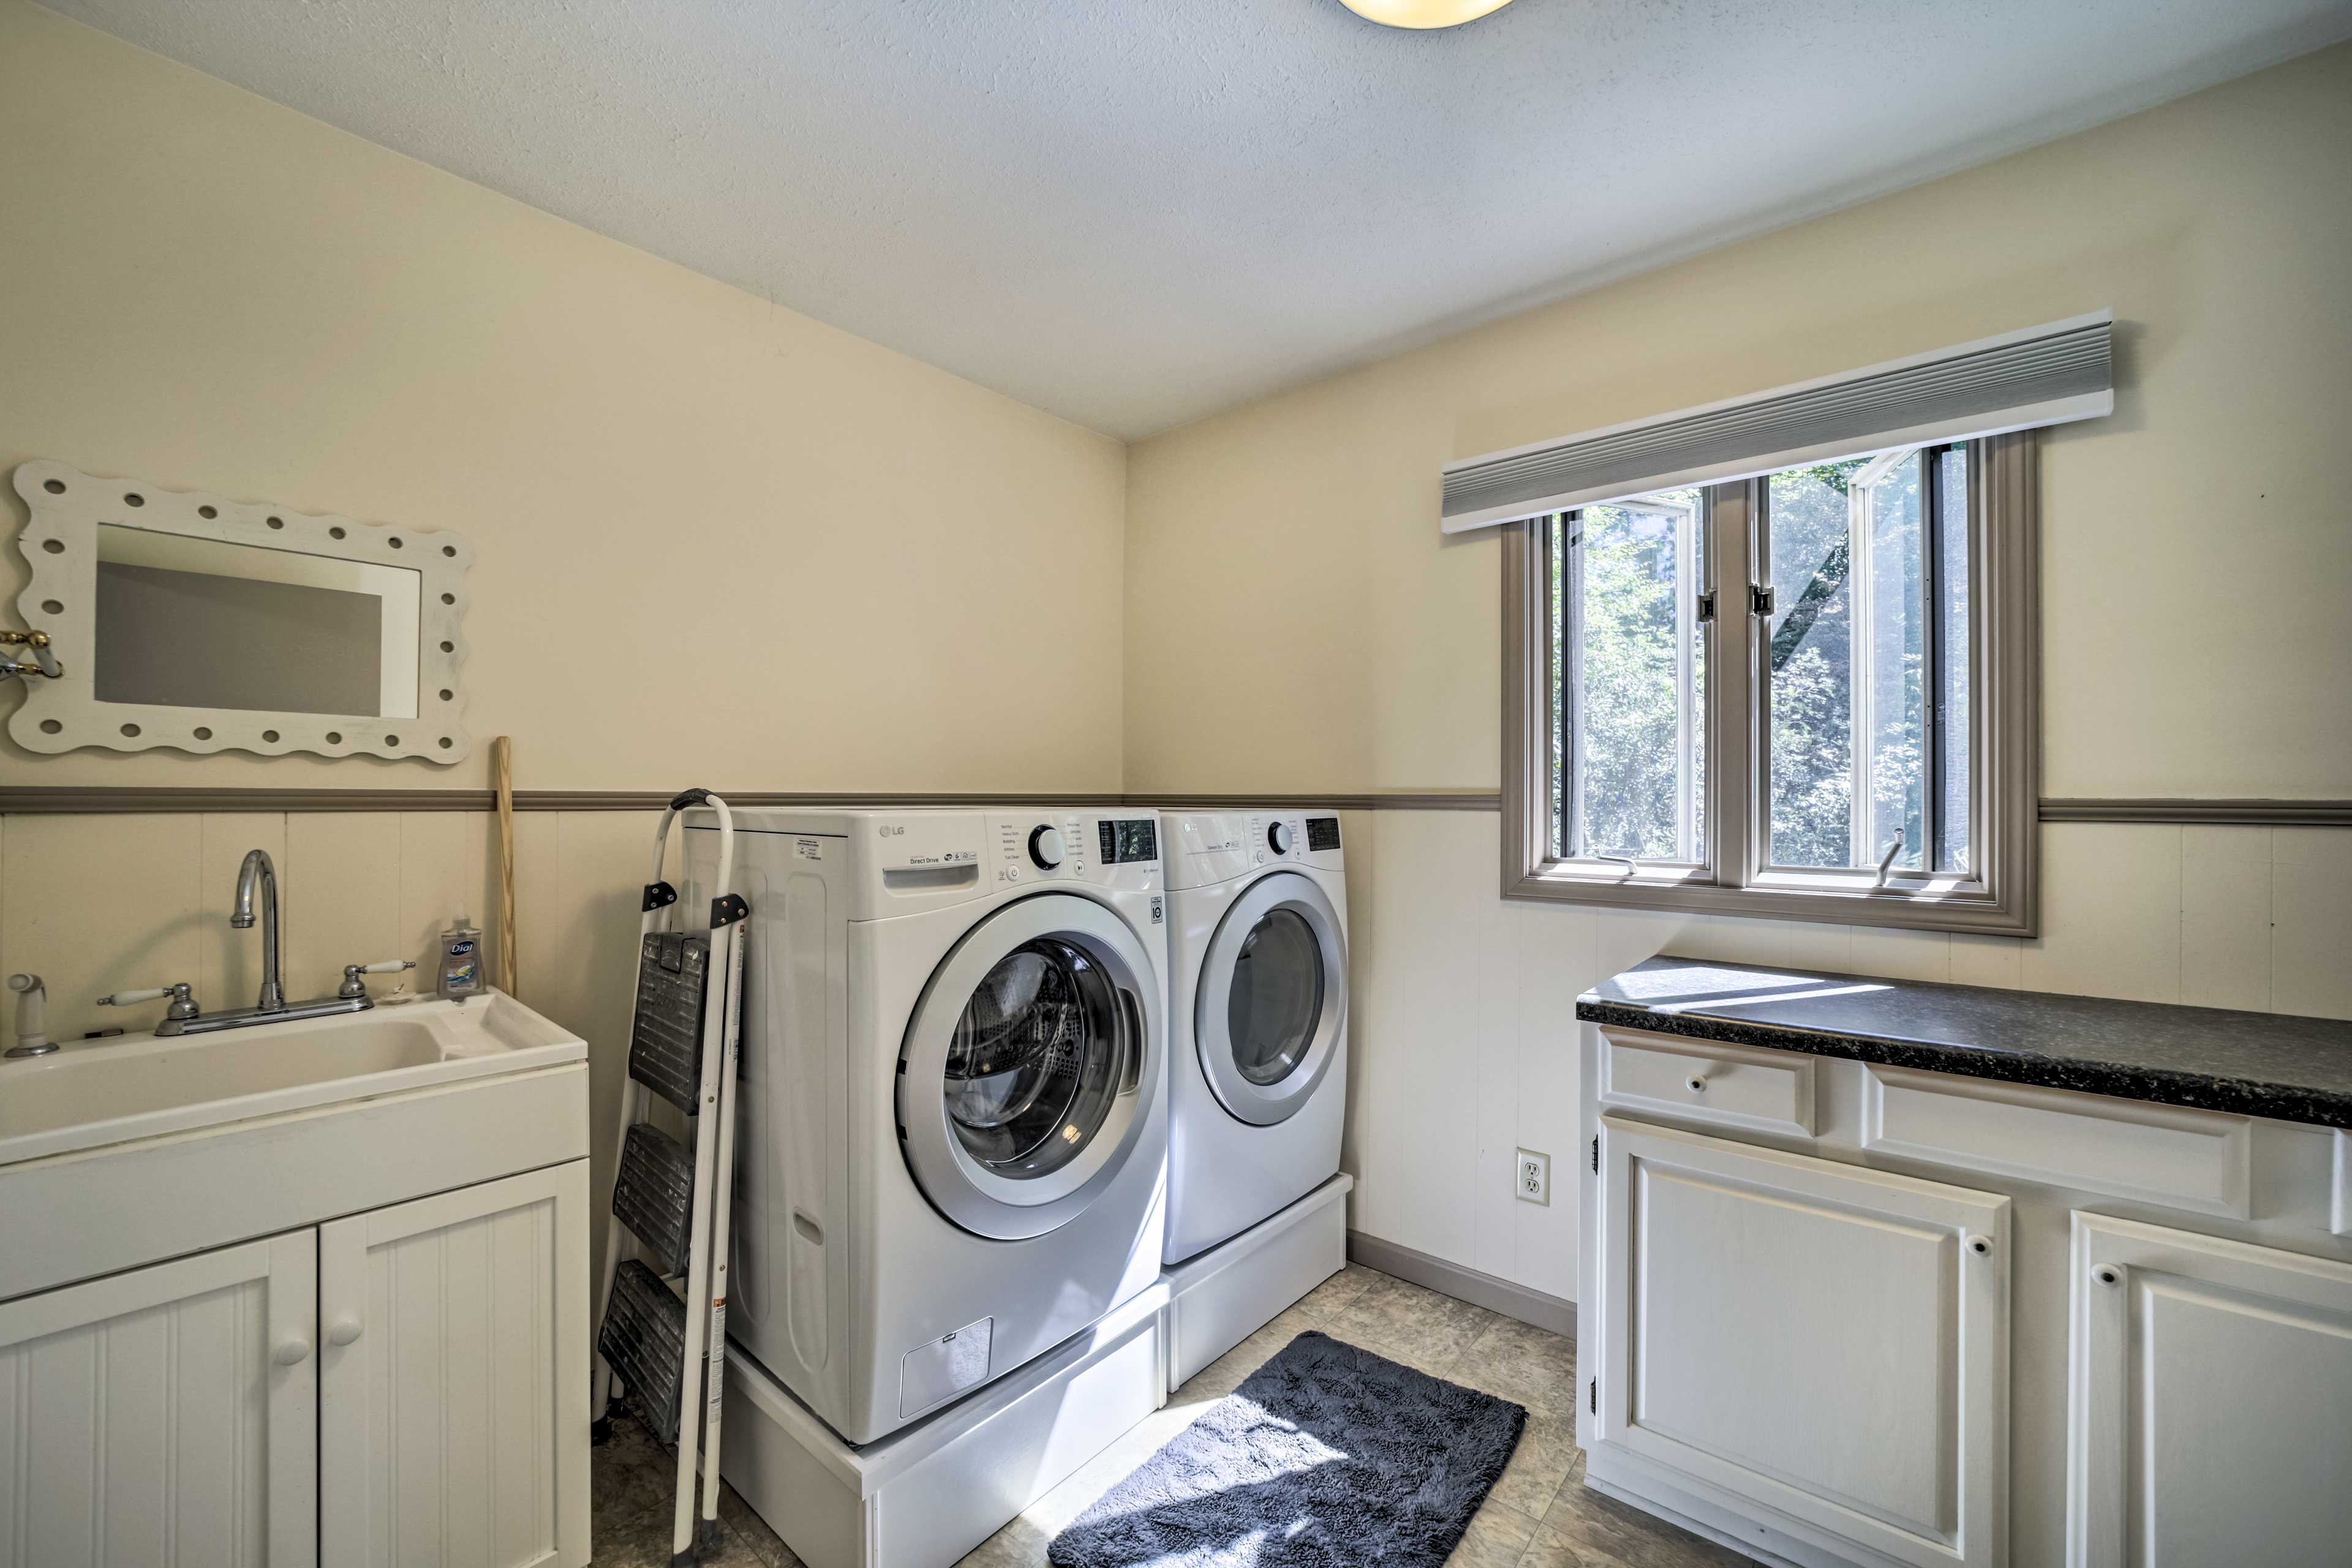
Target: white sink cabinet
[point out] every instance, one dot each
(1855, 1316)
(339, 1315)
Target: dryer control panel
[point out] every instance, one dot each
(1107, 848)
(1206, 848)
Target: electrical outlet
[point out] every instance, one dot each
(1533, 1184)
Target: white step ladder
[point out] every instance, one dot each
(670, 1206)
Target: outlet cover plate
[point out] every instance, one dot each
(1531, 1177)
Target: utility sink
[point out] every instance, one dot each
(96, 1093)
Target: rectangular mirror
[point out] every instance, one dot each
(178, 619)
(189, 621)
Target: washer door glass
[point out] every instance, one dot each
(1037, 1059)
(1276, 997)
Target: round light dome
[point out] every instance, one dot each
(1423, 12)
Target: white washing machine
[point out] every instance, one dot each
(953, 1095)
(1257, 1016)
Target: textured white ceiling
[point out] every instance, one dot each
(1134, 213)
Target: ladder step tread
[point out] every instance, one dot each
(654, 1194)
(644, 1341)
(666, 1040)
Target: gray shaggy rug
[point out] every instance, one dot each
(1328, 1455)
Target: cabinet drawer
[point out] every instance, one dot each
(1692, 1080)
(2167, 1154)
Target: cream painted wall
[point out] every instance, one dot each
(1296, 624)
(200, 288)
(717, 541)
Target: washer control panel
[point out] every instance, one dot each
(1110, 850)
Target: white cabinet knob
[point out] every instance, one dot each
(290, 1351)
(1695, 1083)
(343, 1330)
(2107, 1273)
(1982, 1245)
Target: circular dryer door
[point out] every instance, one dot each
(1273, 996)
(1025, 1077)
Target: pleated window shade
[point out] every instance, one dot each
(2042, 375)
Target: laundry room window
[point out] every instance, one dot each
(1809, 694)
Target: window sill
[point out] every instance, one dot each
(1967, 908)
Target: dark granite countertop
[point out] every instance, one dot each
(2257, 1064)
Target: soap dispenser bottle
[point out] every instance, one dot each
(461, 961)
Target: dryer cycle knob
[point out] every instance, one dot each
(1277, 838)
(1045, 848)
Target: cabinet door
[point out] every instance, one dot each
(1827, 1341)
(165, 1415)
(454, 1381)
(2211, 1415)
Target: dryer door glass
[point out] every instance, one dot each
(1276, 997)
(1037, 1060)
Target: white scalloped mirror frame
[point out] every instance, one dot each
(61, 542)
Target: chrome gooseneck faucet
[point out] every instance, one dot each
(257, 872)
(258, 878)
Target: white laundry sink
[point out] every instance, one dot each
(119, 1150)
(99, 1092)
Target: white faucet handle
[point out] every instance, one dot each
(389, 966)
(128, 999)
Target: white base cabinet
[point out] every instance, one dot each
(453, 1415)
(1856, 1316)
(2211, 1417)
(1827, 1342)
(405, 1388)
(168, 1415)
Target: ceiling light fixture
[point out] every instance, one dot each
(1422, 14)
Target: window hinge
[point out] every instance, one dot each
(1707, 607)
(1596, 1157)
(1593, 1396)
(1759, 598)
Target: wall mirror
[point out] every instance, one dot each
(189, 621)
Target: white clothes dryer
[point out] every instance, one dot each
(953, 1095)
(1258, 1017)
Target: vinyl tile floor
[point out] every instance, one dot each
(1539, 1515)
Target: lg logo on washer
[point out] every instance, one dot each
(914, 843)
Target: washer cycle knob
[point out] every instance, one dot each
(1277, 838)
(1045, 848)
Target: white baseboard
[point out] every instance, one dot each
(1535, 1307)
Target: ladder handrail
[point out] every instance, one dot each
(702, 1370)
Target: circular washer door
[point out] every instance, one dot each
(1273, 996)
(1025, 1077)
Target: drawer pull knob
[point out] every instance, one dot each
(290, 1351)
(1695, 1083)
(343, 1330)
(2107, 1273)
(1982, 1245)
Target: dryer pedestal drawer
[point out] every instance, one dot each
(1699, 1081)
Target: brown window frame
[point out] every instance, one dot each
(1998, 898)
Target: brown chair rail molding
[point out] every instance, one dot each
(34, 800)
(2245, 813)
